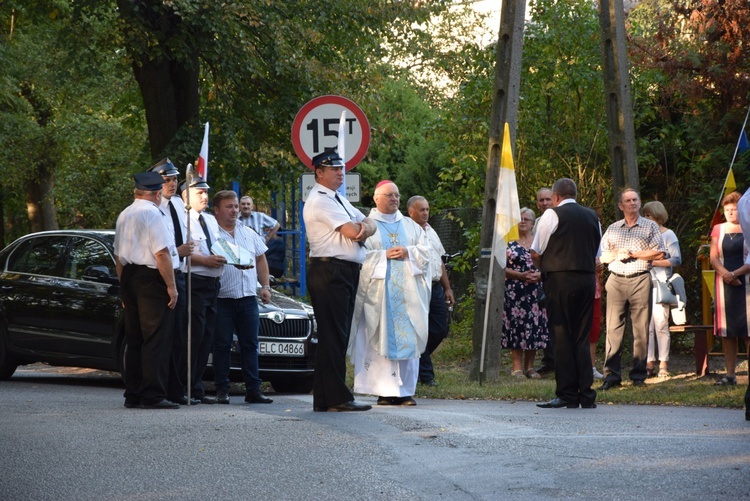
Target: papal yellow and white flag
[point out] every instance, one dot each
(507, 208)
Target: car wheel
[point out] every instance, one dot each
(7, 364)
(301, 384)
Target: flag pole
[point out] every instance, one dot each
(341, 146)
(188, 179)
(729, 172)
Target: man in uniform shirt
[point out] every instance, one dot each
(441, 295)
(628, 247)
(238, 305)
(206, 268)
(335, 232)
(143, 257)
(174, 208)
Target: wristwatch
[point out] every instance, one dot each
(265, 288)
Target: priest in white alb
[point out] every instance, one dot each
(390, 326)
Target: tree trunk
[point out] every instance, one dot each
(40, 201)
(168, 81)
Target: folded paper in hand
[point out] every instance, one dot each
(233, 253)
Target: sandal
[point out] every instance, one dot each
(650, 372)
(517, 374)
(663, 374)
(532, 374)
(726, 381)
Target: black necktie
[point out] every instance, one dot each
(336, 196)
(205, 231)
(177, 231)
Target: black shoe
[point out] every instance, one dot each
(222, 397)
(388, 401)
(608, 385)
(132, 403)
(592, 405)
(208, 400)
(349, 407)
(747, 415)
(319, 409)
(557, 403)
(407, 401)
(184, 401)
(429, 382)
(256, 398)
(639, 382)
(545, 369)
(162, 404)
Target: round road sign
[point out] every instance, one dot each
(316, 129)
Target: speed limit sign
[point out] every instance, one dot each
(316, 129)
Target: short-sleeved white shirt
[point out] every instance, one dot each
(237, 283)
(141, 232)
(323, 215)
(198, 236)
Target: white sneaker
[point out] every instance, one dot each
(597, 374)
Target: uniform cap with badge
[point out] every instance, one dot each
(164, 167)
(148, 181)
(327, 159)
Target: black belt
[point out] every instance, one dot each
(437, 282)
(631, 275)
(212, 280)
(177, 271)
(336, 261)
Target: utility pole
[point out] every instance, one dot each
(617, 97)
(504, 109)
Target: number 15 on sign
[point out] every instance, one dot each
(316, 129)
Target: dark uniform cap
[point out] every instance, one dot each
(327, 159)
(148, 181)
(198, 182)
(164, 167)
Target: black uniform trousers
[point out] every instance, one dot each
(203, 298)
(333, 289)
(177, 384)
(570, 307)
(148, 333)
(437, 331)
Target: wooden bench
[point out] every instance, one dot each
(700, 349)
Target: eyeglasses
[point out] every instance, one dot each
(390, 195)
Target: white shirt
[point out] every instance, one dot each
(323, 215)
(237, 283)
(179, 207)
(198, 237)
(141, 232)
(743, 213)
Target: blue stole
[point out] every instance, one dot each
(402, 337)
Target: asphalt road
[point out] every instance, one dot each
(66, 436)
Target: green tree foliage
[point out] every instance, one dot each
(691, 64)
(68, 122)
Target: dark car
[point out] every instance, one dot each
(60, 304)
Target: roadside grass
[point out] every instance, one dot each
(452, 362)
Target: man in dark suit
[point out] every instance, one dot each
(564, 249)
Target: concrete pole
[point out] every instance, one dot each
(617, 97)
(504, 109)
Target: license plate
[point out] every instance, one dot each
(281, 349)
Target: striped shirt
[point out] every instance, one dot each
(237, 283)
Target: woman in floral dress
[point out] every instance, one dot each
(524, 319)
